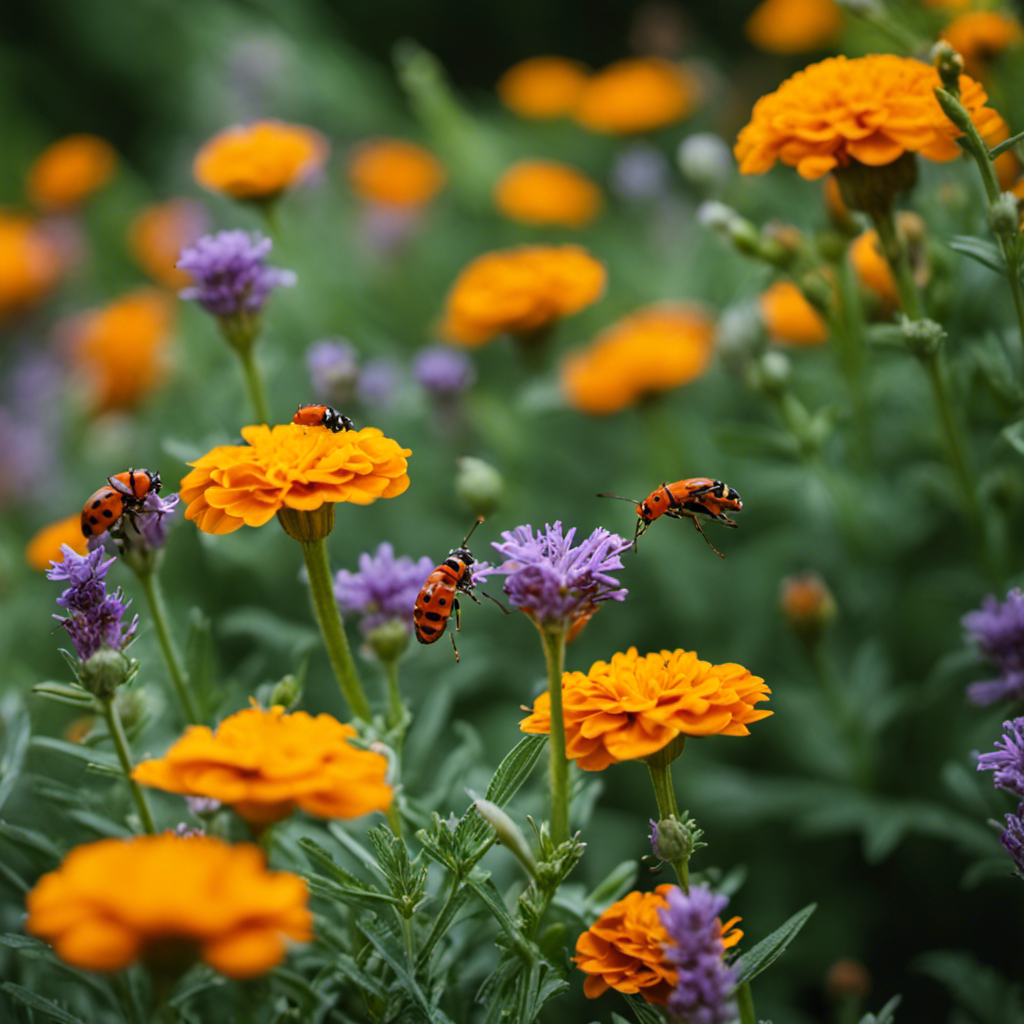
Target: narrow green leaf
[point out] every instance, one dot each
(12, 940)
(366, 898)
(67, 693)
(886, 1015)
(1005, 145)
(979, 250)
(75, 750)
(488, 893)
(19, 732)
(44, 1006)
(30, 839)
(768, 950)
(643, 1011)
(1014, 435)
(440, 926)
(351, 846)
(13, 878)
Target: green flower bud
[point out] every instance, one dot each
(508, 833)
(287, 692)
(1005, 215)
(104, 672)
(664, 757)
(389, 640)
(950, 66)
(307, 526)
(739, 337)
(923, 337)
(671, 839)
(775, 370)
(479, 485)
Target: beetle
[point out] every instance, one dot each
(322, 416)
(124, 494)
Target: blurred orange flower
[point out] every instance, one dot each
(121, 349)
(167, 901)
(867, 109)
(44, 547)
(542, 87)
(158, 234)
(260, 160)
(794, 26)
(520, 291)
(291, 467)
(636, 95)
(394, 172)
(546, 192)
(980, 37)
(30, 263)
(267, 763)
(871, 266)
(632, 706)
(789, 317)
(70, 170)
(654, 349)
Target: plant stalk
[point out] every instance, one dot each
(665, 797)
(254, 384)
(124, 755)
(553, 641)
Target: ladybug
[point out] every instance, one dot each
(322, 416)
(123, 495)
(697, 498)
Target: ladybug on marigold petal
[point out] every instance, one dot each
(124, 494)
(322, 416)
(695, 499)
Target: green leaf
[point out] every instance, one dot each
(978, 249)
(886, 1015)
(488, 894)
(643, 1011)
(30, 839)
(67, 693)
(768, 950)
(75, 750)
(982, 991)
(44, 1006)
(19, 731)
(269, 630)
(1014, 435)
(12, 940)
(1005, 145)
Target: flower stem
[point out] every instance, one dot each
(331, 628)
(745, 1001)
(553, 640)
(895, 253)
(665, 796)
(158, 610)
(396, 710)
(124, 755)
(254, 384)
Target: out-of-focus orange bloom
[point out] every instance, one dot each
(872, 268)
(789, 317)
(542, 87)
(70, 170)
(121, 349)
(980, 37)
(807, 603)
(794, 26)
(636, 95)
(653, 349)
(44, 547)
(167, 901)
(30, 263)
(1008, 169)
(546, 192)
(520, 291)
(260, 160)
(394, 172)
(159, 233)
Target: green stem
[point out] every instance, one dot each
(158, 610)
(396, 710)
(895, 253)
(124, 755)
(745, 1001)
(665, 797)
(331, 628)
(553, 641)
(254, 384)
(848, 323)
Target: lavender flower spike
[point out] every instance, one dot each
(998, 630)
(1013, 840)
(1007, 760)
(695, 949)
(141, 540)
(384, 588)
(231, 274)
(333, 370)
(443, 372)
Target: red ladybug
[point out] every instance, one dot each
(697, 498)
(322, 416)
(123, 495)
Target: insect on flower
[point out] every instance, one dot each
(697, 498)
(322, 416)
(124, 495)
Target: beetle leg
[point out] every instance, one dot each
(705, 536)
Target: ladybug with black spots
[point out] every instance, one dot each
(124, 495)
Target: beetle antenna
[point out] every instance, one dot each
(465, 540)
(620, 497)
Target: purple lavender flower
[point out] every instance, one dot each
(26, 450)
(701, 995)
(443, 371)
(378, 380)
(384, 588)
(1007, 760)
(230, 273)
(147, 535)
(998, 630)
(1013, 839)
(333, 370)
(553, 581)
(640, 174)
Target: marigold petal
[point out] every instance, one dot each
(245, 954)
(95, 944)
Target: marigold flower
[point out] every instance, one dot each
(980, 37)
(291, 467)
(654, 349)
(46, 544)
(520, 291)
(260, 160)
(30, 263)
(266, 763)
(632, 706)
(166, 900)
(794, 26)
(394, 172)
(542, 88)
(636, 95)
(121, 349)
(869, 110)
(69, 171)
(788, 317)
(158, 234)
(547, 193)
(998, 630)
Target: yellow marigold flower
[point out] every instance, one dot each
(520, 291)
(44, 547)
(267, 763)
(654, 349)
(794, 26)
(789, 317)
(394, 172)
(980, 37)
(289, 466)
(121, 349)
(30, 263)
(636, 95)
(542, 87)
(70, 170)
(546, 192)
(166, 900)
(260, 160)
(624, 948)
(158, 234)
(870, 110)
(632, 706)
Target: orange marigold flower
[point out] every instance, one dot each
(654, 349)
(289, 466)
(121, 349)
(520, 291)
(636, 95)
(267, 763)
(30, 263)
(789, 318)
(632, 706)
(870, 110)
(546, 192)
(394, 172)
(542, 87)
(980, 37)
(260, 160)
(158, 234)
(794, 26)
(45, 545)
(872, 268)
(67, 172)
(167, 900)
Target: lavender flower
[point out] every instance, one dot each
(385, 588)
(639, 174)
(377, 382)
(1007, 760)
(1013, 840)
(443, 371)
(701, 995)
(230, 272)
(142, 539)
(998, 630)
(333, 370)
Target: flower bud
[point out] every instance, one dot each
(923, 337)
(846, 979)
(479, 485)
(668, 753)
(508, 833)
(705, 160)
(873, 189)
(671, 839)
(739, 336)
(950, 66)
(307, 526)
(1005, 215)
(103, 672)
(808, 605)
(389, 640)
(287, 692)
(775, 369)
